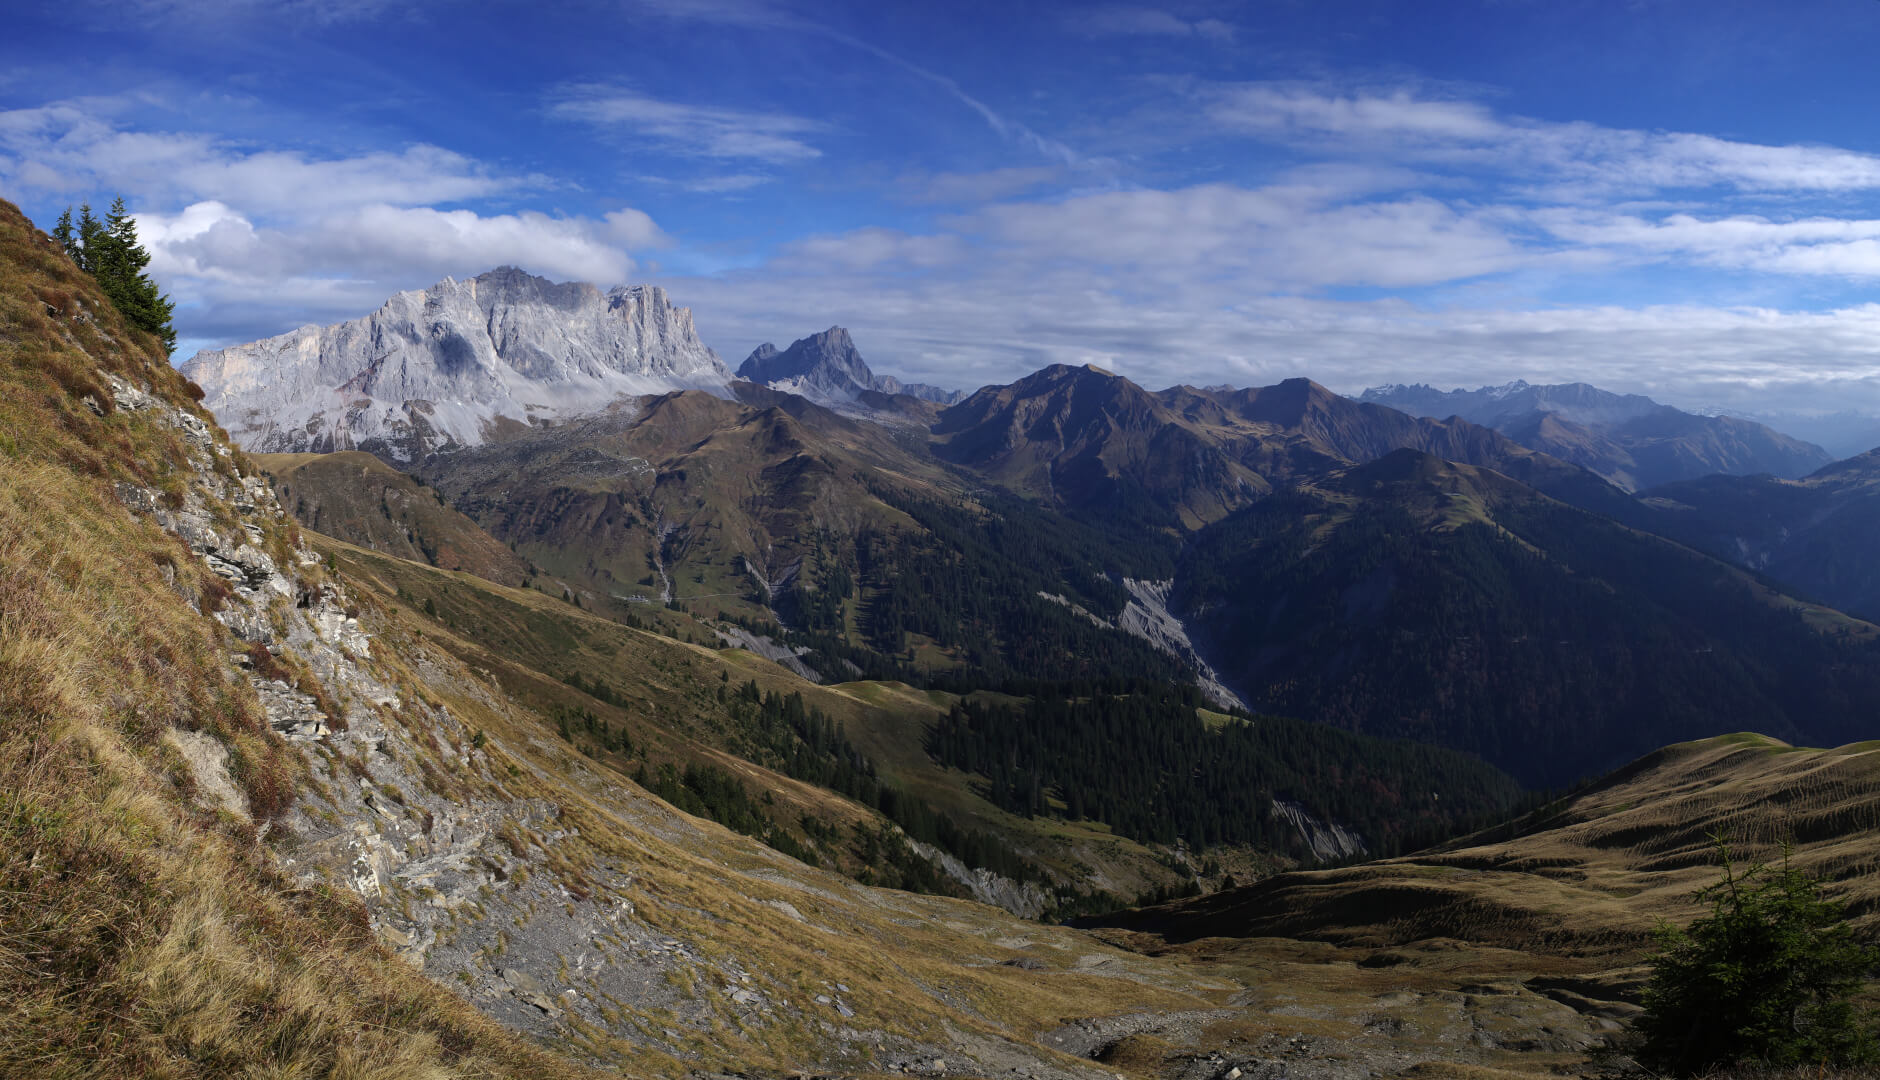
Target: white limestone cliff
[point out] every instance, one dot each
(454, 365)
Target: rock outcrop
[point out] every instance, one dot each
(828, 369)
(455, 365)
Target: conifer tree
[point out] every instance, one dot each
(108, 250)
(1768, 977)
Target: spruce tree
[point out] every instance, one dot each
(64, 235)
(123, 278)
(90, 238)
(1767, 978)
(108, 250)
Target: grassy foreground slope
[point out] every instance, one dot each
(255, 822)
(141, 934)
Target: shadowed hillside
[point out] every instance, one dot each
(1411, 597)
(1814, 535)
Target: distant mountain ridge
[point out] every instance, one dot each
(1084, 438)
(455, 365)
(828, 369)
(1814, 535)
(1629, 439)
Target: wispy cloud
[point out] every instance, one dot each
(708, 131)
(1816, 245)
(1126, 21)
(759, 14)
(972, 188)
(1408, 126)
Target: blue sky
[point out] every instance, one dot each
(1676, 197)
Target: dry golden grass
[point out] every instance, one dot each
(918, 967)
(141, 935)
(1592, 875)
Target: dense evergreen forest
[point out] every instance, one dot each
(973, 579)
(782, 732)
(1140, 757)
(1557, 645)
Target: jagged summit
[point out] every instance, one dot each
(828, 368)
(454, 365)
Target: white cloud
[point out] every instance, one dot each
(714, 185)
(1289, 109)
(873, 249)
(75, 147)
(1284, 238)
(266, 240)
(236, 276)
(1835, 246)
(967, 330)
(1219, 283)
(694, 130)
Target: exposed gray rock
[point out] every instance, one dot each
(1327, 840)
(1147, 616)
(828, 369)
(1027, 899)
(447, 366)
(763, 645)
(207, 759)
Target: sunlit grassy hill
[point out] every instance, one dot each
(1592, 874)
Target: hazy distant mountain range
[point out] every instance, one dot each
(1630, 440)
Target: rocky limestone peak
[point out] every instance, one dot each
(827, 368)
(454, 364)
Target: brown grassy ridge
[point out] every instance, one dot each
(139, 934)
(357, 497)
(1591, 875)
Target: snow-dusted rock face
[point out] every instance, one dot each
(452, 365)
(828, 369)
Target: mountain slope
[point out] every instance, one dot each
(1417, 598)
(1592, 874)
(146, 930)
(1629, 439)
(358, 498)
(1082, 438)
(783, 514)
(1815, 535)
(260, 819)
(1511, 934)
(454, 365)
(827, 368)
